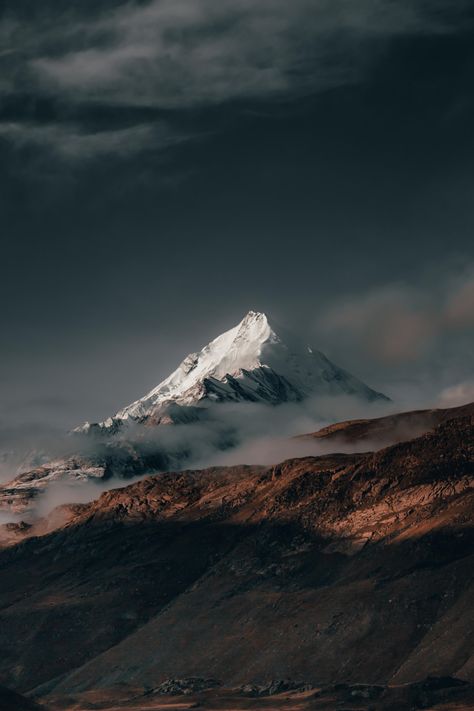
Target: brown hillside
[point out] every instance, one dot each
(390, 429)
(336, 569)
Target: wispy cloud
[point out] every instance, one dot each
(400, 322)
(458, 311)
(392, 322)
(457, 394)
(423, 330)
(71, 141)
(181, 54)
(195, 52)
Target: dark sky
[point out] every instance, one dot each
(167, 165)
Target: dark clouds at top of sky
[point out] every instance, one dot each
(165, 166)
(168, 55)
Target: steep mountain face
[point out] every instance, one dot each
(344, 568)
(251, 362)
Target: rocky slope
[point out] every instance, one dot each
(112, 461)
(435, 693)
(345, 568)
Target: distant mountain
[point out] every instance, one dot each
(256, 361)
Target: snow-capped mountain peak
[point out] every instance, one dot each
(255, 361)
(238, 349)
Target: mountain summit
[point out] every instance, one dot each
(255, 361)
